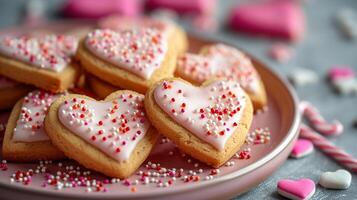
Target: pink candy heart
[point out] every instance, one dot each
(274, 18)
(340, 72)
(302, 148)
(296, 189)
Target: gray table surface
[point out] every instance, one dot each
(322, 47)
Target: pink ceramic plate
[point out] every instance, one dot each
(282, 119)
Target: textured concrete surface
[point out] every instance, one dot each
(322, 47)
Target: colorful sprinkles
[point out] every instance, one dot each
(219, 61)
(115, 127)
(140, 51)
(50, 52)
(259, 136)
(29, 126)
(62, 175)
(212, 112)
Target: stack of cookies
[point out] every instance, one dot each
(149, 84)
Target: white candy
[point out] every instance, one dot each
(347, 21)
(302, 77)
(346, 86)
(340, 179)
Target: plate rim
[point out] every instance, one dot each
(290, 135)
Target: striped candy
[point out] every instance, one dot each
(318, 122)
(329, 148)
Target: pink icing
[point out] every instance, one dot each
(220, 61)
(300, 189)
(52, 52)
(114, 127)
(340, 72)
(301, 148)
(7, 83)
(29, 126)
(140, 51)
(212, 112)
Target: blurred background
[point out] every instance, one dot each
(301, 39)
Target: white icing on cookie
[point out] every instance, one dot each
(139, 51)
(29, 126)
(114, 127)
(52, 52)
(220, 61)
(212, 113)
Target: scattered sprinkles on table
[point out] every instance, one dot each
(219, 61)
(140, 51)
(50, 52)
(29, 126)
(67, 175)
(115, 127)
(212, 112)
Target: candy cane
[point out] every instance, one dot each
(328, 148)
(318, 122)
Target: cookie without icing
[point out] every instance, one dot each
(111, 136)
(10, 92)
(209, 122)
(223, 61)
(25, 138)
(45, 62)
(132, 59)
(99, 87)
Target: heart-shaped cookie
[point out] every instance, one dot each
(25, 138)
(169, 29)
(209, 122)
(132, 59)
(296, 189)
(340, 179)
(111, 136)
(302, 148)
(47, 58)
(276, 18)
(223, 61)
